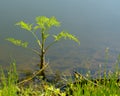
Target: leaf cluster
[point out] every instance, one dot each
(24, 25)
(18, 42)
(43, 23)
(65, 35)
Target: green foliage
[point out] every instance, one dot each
(44, 22)
(17, 42)
(9, 86)
(25, 25)
(9, 82)
(65, 35)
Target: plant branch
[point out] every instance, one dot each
(38, 41)
(36, 51)
(50, 46)
(30, 78)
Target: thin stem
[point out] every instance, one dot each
(42, 50)
(42, 56)
(49, 46)
(38, 41)
(36, 51)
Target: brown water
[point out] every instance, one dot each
(95, 23)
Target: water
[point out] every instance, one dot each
(95, 23)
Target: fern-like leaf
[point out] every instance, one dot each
(53, 22)
(44, 22)
(17, 42)
(24, 25)
(66, 35)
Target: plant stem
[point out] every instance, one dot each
(42, 57)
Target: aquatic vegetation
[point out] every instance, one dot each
(42, 27)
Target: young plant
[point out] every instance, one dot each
(43, 25)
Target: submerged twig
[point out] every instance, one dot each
(35, 74)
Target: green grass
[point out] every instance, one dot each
(82, 86)
(8, 82)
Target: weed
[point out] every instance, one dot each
(9, 81)
(43, 24)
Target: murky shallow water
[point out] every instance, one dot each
(95, 23)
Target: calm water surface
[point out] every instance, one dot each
(95, 23)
